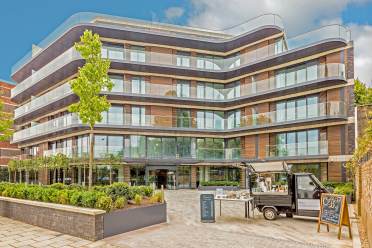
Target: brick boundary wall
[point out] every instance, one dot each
(363, 184)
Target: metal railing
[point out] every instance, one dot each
(314, 148)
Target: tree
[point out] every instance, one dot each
(362, 93)
(6, 124)
(91, 80)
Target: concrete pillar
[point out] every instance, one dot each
(193, 177)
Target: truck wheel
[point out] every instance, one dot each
(289, 215)
(269, 213)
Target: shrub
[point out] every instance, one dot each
(89, 198)
(63, 197)
(104, 203)
(75, 186)
(76, 198)
(157, 197)
(138, 199)
(120, 202)
(345, 189)
(118, 190)
(58, 186)
(35, 193)
(219, 183)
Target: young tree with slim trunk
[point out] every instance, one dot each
(92, 79)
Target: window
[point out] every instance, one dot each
(137, 54)
(154, 147)
(296, 75)
(115, 52)
(279, 46)
(312, 107)
(114, 116)
(82, 146)
(118, 84)
(138, 116)
(100, 146)
(115, 145)
(209, 91)
(210, 119)
(183, 88)
(233, 119)
(183, 59)
(308, 168)
(306, 187)
(233, 90)
(233, 148)
(169, 147)
(234, 60)
(183, 177)
(183, 118)
(297, 109)
(209, 148)
(137, 175)
(185, 147)
(138, 85)
(208, 62)
(136, 146)
(224, 174)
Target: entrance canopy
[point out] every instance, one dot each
(279, 166)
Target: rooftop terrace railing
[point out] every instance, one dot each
(91, 18)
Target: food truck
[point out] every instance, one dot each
(278, 191)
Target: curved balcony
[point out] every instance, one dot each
(283, 81)
(314, 112)
(214, 67)
(97, 19)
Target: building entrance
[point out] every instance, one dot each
(165, 177)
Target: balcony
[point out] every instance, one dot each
(292, 150)
(282, 81)
(195, 154)
(114, 120)
(205, 63)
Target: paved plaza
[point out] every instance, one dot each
(184, 229)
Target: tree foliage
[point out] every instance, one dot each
(92, 79)
(362, 93)
(6, 124)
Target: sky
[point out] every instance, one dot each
(25, 22)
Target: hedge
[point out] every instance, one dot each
(101, 197)
(219, 183)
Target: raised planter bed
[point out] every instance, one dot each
(91, 224)
(212, 188)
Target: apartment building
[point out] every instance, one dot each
(189, 105)
(7, 150)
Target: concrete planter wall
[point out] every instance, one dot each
(212, 188)
(91, 224)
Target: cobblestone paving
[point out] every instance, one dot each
(184, 229)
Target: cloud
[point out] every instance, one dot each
(298, 17)
(173, 13)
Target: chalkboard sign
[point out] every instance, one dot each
(331, 206)
(207, 208)
(334, 211)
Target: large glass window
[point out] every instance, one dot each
(233, 148)
(116, 145)
(308, 168)
(183, 118)
(138, 85)
(183, 59)
(137, 175)
(296, 75)
(154, 147)
(137, 146)
(169, 147)
(183, 88)
(118, 84)
(233, 90)
(185, 147)
(233, 119)
(83, 146)
(137, 54)
(100, 146)
(297, 109)
(208, 62)
(224, 174)
(209, 148)
(210, 119)
(184, 177)
(209, 91)
(115, 52)
(138, 116)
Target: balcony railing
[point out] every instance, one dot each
(217, 123)
(100, 152)
(314, 148)
(38, 102)
(206, 94)
(91, 18)
(200, 62)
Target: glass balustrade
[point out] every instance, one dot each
(38, 102)
(329, 109)
(101, 152)
(200, 62)
(314, 148)
(202, 92)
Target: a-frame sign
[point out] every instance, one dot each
(334, 211)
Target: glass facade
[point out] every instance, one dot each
(183, 118)
(296, 109)
(138, 85)
(183, 59)
(296, 75)
(137, 54)
(183, 88)
(210, 119)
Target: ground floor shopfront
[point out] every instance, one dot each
(171, 176)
